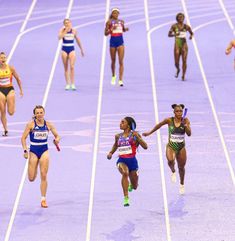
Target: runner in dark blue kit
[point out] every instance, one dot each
(115, 27)
(127, 142)
(68, 34)
(38, 130)
(175, 148)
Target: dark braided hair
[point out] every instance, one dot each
(177, 105)
(131, 122)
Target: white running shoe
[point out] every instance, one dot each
(173, 177)
(67, 87)
(182, 191)
(113, 81)
(73, 87)
(120, 82)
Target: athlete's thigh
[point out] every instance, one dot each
(122, 167)
(72, 57)
(2, 102)
(113, 52)
(33, 164)
(11, 101)
(44, 162)
(170, 153)
(121, 51)
(184, 52)
(181, 157)
(65, 59)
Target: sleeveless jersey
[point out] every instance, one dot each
(39, 135)
(6, 77)
(118, 31)
(182, 32)
(68, 39)
(126, 146)
(176, 136)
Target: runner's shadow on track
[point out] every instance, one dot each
(31, 218)
(123, 234)
(176, 208)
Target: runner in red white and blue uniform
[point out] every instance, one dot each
(115, 27)
(126, 143)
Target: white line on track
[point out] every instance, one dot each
(12, 218)
(21, 30)
(44, 102)
(168, 232)
(97, 131)
(210, 99)
(227, 15)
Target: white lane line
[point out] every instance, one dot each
(227, 15)
(210, 99)
(167, 221)
(55, 59)
(97, 130)
(8, 232)
(12, 218)
(21, 30)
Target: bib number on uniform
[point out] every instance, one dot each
(177, 138)
(124, 150)
(38, 135)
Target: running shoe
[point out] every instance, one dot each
(44, 204)
(73, 87)
(67, 87)
(177, 73)
(130, 188)
(5, 133)
(113, 81)
(120, 82)
(182, 191)
(173, 177)
(126, 202)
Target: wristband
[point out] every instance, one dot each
(25, 151)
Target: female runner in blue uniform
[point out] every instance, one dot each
(229, 49)
(38, 130)
(179, 30)
(175, 148)
(127, 142)
(115, 27)
(7, 92)
(68, 34)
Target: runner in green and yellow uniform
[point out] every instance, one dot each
(179, 31)
(175, 148)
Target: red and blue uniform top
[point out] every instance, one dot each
(117, 26)
(127, 146)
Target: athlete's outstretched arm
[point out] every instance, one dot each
(158, 126)
(114, 148)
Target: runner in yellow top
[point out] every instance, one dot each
(7, 93)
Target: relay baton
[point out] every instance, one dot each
(185, 113)
(56, 145)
